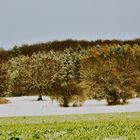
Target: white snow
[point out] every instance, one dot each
(29, 106)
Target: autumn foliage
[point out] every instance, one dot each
(73, 72)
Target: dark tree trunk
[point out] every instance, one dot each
(65, 103)
(39, 97)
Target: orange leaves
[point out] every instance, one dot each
(94, 52)
(105, 50)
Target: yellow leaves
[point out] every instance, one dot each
(130, 50)
(133, 51)
(106, 49)
(137, 51)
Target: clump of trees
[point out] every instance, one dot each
(54, 75)
(106, 70)
(113, 73)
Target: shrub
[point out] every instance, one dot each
(3, 101)
(67, 93)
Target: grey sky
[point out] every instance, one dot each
(32, 21)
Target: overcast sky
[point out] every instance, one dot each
(33, 21)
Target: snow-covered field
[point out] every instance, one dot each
(29, 106)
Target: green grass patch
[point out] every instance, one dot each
(123, 126)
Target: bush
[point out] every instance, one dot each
(3, 101)
(67, 93)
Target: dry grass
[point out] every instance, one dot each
(3, 101)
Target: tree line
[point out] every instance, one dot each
(109, 71)
(28, 50)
